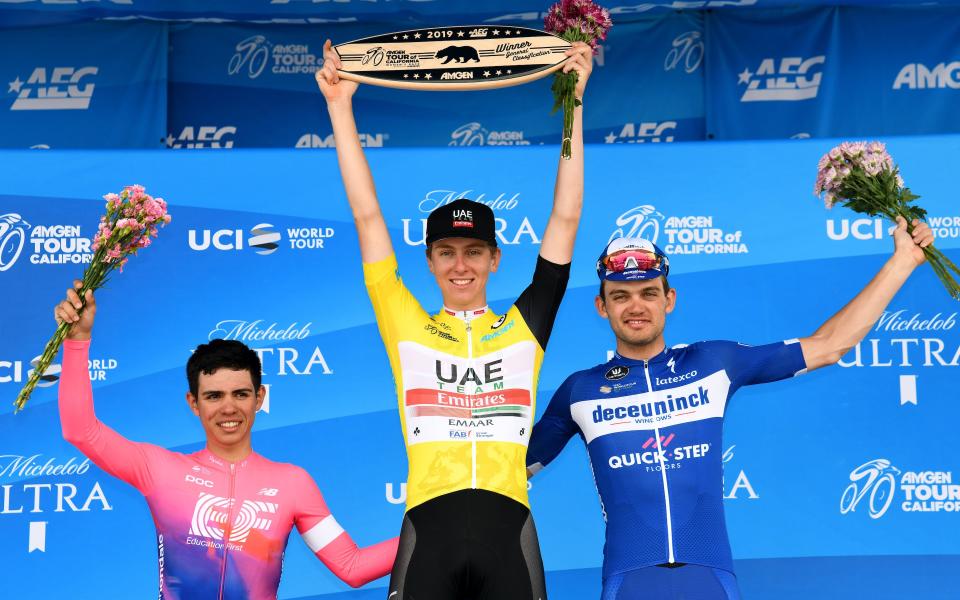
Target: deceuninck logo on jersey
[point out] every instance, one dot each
(448, 398)
(211, 513)
(703, 399)
(679, 234)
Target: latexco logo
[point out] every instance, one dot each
(262, 238)
(638, 133)
(874, 485)
(917, 76)
(54, 88)
(508, 232)
(204, 136)
(367, 140)
(253, 54)
(792, 78)
(475, 134)
(692, 234)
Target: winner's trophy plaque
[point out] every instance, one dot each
(453, 58)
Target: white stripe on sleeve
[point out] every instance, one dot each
(321, 534)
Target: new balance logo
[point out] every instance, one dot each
(58, 88)
(790, 80)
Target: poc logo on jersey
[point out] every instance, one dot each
(263, 238)
(792, 78)
(917, 76)
(639, 133)
(198, 480)
(475, 134)
(204, 136)
(56, 88)
(367, 140)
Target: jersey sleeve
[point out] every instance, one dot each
(749, 365)
(539, 303)
(115, 454)
(390, 298)
(553, 430)
(333, 545)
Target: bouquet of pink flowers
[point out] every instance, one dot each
(574, 21)
(862, 176)
(130, 223)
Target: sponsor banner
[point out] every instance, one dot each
(243, 260)
(74, 86)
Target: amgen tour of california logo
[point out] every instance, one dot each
(54, 88)
(691, 234)
(791, 78)
(13, 234)
(475, 134)
(874, 486)
(253, 54)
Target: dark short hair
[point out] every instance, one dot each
(222, 354)
(663, 278)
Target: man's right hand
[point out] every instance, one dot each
(68, 312)
(334, 89)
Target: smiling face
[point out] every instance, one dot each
(227, 403)
(462, 267)
(637, 311)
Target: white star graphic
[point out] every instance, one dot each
(496, 32)
(394, 37)
(405, 36)
(610, 138)
(499, 72)
(416, 35)
(459, 34)
(509, 72)
(744, 77)
(169, 141)
(406, 75)
(428, 76)
(486, 73)
(416, 75)
(15, 86)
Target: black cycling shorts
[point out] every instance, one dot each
(468, 545)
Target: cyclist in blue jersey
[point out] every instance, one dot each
(652, 409)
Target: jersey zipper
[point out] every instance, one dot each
(228, 530)
(473, 438)
(663, 472)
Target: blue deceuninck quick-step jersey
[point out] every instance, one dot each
(653, 431)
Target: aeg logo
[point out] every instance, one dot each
(205, 136)
(638, 133)
(60, 89)
(787, 82)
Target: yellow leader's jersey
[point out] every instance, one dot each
(466, 383)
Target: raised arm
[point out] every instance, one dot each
(357, 180)
(334, 546)
(557, 244)
(845, 329)
(108, 449)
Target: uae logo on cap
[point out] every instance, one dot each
(463, 218)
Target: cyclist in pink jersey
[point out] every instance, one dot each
(223, 514)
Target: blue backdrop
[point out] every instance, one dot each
(661, 76)
(802, 522)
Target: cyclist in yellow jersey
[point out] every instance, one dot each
(466, 378)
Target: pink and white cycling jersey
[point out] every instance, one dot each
(221, 527)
